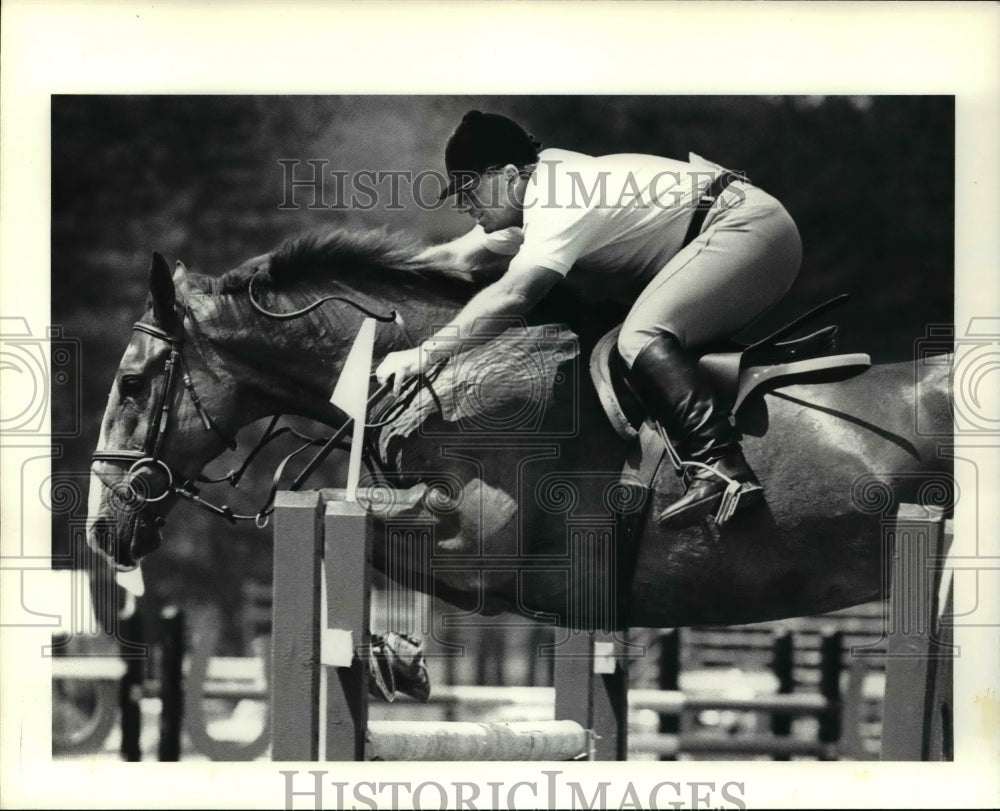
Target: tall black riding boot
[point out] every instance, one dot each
(705, 447)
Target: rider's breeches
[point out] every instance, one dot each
(743, 262)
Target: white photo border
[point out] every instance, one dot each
(559, 47)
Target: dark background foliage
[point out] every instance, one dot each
(870, 181)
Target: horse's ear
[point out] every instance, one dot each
(161, 289)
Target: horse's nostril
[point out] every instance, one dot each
(103, 537)
(126, 494)
(102, 527)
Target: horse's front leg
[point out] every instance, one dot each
(435, 529)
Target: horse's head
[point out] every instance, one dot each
(208, 357)
(156, 433)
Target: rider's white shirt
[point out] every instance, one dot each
(616, 220)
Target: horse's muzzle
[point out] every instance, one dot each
(124, 543)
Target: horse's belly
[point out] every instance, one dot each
(834, 474)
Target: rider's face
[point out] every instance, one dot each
(491, 199)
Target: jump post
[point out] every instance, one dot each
(590, 696)
(918, 719)
(319, 702)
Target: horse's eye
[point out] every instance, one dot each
(132, 385)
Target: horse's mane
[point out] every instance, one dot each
(368, 259)
(362, 256)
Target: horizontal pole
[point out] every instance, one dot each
(94, 668)
(674, 745)
(224, 690)
(470, 694)
(673, 701)
(457, 740)
(226, 676)
(243, 668)
(665, 701)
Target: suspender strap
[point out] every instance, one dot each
(707, 201)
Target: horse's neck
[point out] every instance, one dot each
(293, 366)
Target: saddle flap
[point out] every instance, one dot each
(735, 374)
(607, 374)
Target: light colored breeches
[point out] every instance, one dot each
(743, 262)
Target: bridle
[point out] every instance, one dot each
(150, 457)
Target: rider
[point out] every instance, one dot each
(694, 249)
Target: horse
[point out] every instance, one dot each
(496, 482)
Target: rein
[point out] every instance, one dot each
(396, 409)
(150, 457)
(392, 316)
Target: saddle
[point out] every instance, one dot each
(741, 373)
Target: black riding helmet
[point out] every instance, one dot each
(485, 141)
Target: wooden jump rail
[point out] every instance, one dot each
(826, 704)
(320, 699)
(918, 705)
(672, 704)
(134, 683)
(590, 697)
(184, 677)
(916, 644)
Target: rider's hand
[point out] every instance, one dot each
(400, 366)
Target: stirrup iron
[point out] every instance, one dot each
(731, 499)
(735, 490)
